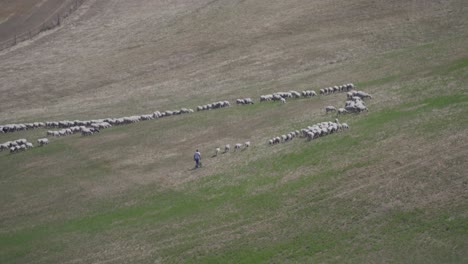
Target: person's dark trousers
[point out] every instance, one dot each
(196, 165)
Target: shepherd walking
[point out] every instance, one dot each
(197, 158)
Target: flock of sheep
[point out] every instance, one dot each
(21, 145)
(337, 89)
(311, 132)
(85, 127)
(95, 123)
(214, 105)
(281, 96)
(227, 147)
(354, 104)
(244, 101)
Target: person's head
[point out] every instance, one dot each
(196, 150)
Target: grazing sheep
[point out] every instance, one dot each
(336, 89)
(330, 109)
(295, 94)
(86, 132)
(244, 101)
(247, 144)
(3, 147)
(283, 100)
(248, 100)
(29, 145)
(43, 141)
(227, 147)
(342, 111)
(363, 95)
(277, 140)
(237, 146)
(217, 150)
(21, 141)
(309, 93)
(214, 105)
(268, 97)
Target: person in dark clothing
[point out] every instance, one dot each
(197, 158)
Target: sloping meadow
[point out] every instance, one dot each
(392, 188)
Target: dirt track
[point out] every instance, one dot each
(19, 17)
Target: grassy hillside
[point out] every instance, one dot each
(393, 188)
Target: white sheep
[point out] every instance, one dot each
(43, 141)
(247, 144)
(86, 132)
(363, 95)
(342, 111)
(4, 146)
(237, 146)
(248, 100)
(21, 141)
(217, 150)
(282, 100)
(227, 147)
(330, 109)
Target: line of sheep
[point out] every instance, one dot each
(282, 96)
(227, 147)
(311, 132)
(9, 128)
(244, 101)
(21, 145)
(279, 96)
(215, 105)
(85, 131)
(354, 103)
(337, 89)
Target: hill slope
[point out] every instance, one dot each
(393, 188)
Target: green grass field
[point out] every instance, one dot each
(391, 189)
